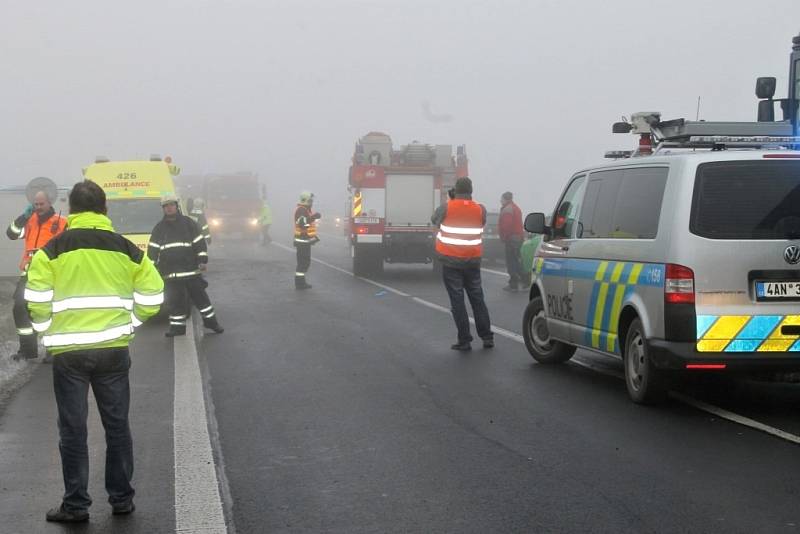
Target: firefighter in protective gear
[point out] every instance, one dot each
(37, 225)
(88, 289)
(197, 213)
(305, 235)
(459, 249)
(178, 249)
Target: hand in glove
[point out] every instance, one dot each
(28, 211)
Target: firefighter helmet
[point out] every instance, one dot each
(306, 197)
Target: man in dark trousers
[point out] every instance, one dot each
(459, 249)
(509, 227)
(305, 235)
(178, 248)
(88, 289)
(37, 225)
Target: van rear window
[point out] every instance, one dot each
(747, 200)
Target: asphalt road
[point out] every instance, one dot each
(342, 409)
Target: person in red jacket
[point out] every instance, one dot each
(509, 227)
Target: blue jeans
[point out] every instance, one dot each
(106, 370)
(457, 281)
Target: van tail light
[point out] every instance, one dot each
(679, 285)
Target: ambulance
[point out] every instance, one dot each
(133, 193)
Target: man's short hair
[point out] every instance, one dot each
(463, 186)
(87, 196)
(508, 195)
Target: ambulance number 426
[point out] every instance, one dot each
(126, 176)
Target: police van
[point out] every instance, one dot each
(133, 191)
(681, 257)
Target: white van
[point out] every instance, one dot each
(676, 262)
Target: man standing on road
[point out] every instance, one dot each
(87, 290)
(197, 213)
(265, 220)
(305, 235)
(178, 249)
(37, 225)
(509, 227)
(459, 248)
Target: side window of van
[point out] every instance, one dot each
(639, 203)
(600, 203)
(566, 215)
(623, 204)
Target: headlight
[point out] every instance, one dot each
(253, 222)
(215, 222)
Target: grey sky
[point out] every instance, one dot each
(285, 88)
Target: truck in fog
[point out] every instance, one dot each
(392, 194)
(232, 200)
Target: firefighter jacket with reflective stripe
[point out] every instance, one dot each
(37, 231)
(177, 247)
(305, 225)
(459, 239)
(89, 287)
(199, 217)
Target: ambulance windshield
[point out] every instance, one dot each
(134, 216)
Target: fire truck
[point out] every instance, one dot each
(392, 195)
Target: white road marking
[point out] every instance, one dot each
(198, 506)
(492, 271)
(700, 405)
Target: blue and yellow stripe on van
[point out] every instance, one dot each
(746, 333)
(613, 284)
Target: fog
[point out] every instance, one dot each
(286, 88)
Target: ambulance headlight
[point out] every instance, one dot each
(215, 222)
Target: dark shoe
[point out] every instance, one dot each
(176, 331)
(60, 515)
(462, 347)
(302, 285)
(123, 509)
(511, 289)
(213, 325)
(488, 343)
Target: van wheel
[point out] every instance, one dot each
(646, 384)
(537, 338)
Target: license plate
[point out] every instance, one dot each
(777, 290)
(366, 220)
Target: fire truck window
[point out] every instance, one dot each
(564, 226)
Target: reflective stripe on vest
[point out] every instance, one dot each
(460, 233)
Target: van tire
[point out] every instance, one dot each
(646, 384)
(534, 331)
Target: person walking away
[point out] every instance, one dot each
(37, 225)
(197, 213)
(509, 228)
(305, 235)
(459, 249)
(88, 289)
(178, 249)
(265, 221)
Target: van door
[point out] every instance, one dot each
(552, 260)
(620, 215)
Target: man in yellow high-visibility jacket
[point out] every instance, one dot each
(88, 289)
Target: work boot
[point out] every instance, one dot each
(176, 330)
(300, 283)
(60, 515)
(488, 343)
(462, 346)
(123, 508)
(213, 324)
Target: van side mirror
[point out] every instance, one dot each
(765, 87)
(534, 223)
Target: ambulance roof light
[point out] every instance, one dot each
(101, 159)
(155, 157)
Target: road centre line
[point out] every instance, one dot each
(198, 506)
(697, 404)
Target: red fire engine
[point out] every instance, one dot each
(393, 194)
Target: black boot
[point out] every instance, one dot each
(300, 283)
(212, 324)
(176, 330)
